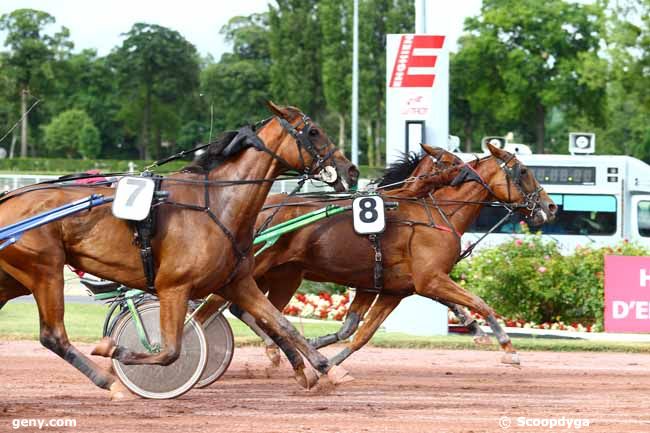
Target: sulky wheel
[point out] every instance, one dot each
(221, 344)
(157, 381)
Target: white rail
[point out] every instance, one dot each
(13, 181)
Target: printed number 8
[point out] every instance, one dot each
(368, 212)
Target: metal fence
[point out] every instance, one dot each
(12, 181)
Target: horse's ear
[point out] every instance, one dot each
(277, 110)
(499, 153)
(435, 152)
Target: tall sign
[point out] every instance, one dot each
(417, 93)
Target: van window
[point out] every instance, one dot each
(591, 215)
(644, 218)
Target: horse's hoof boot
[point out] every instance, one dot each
(338, 375)
(511, 358)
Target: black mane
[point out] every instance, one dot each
(400, 170)
(214, 154)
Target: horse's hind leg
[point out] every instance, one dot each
(480, 337)
(374, 318)
(440, 286)
(360, 305)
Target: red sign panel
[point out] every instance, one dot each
(416, 61)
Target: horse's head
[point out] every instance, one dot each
(439, 159)
(511, 182)
(305, 147)
(415, 175)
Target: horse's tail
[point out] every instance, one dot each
(2, 304)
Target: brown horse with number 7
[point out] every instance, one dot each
(209, 216)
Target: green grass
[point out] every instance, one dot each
(19, 321)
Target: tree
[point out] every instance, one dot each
(336, 28)
(158, 68)
(379, 18)
(295, 47)
(479, 102)
(547, 52)
(237, 86)
(32, 53)
(628, 108)
(87, 82)
(73, 134)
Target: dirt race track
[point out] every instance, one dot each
(395, 390)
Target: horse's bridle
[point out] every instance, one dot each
(531, 199)
(301, 137)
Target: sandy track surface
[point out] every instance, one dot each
(396, 390)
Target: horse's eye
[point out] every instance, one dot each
(524, 170)
(313, 132)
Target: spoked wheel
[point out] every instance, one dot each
(157, 381)
(221, 344)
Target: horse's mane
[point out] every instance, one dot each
(226, 146)
(214, 154)
(400, 170)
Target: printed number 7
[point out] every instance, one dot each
(139, 186)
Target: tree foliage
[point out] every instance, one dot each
(156, 68)
(31, 59)
(539, 69)
(235, 88)
(533, 57)
(73, 134)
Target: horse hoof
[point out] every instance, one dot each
(273, 353)
(482, 340)
(338, 375)
(306, 377)
(511, 358)
(105, 348)
(120, 393)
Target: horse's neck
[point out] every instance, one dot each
(459, 214)
(237, 206)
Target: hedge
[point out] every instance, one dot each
(529, 279)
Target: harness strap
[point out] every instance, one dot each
(145, 230)
(444, 217)
(378, 272)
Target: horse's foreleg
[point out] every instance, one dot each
(378, 313)
(360, 305)
(440, 286)
(480, 337)
(173, 309)
(247, 295)
(281, 283)
(49, 300)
